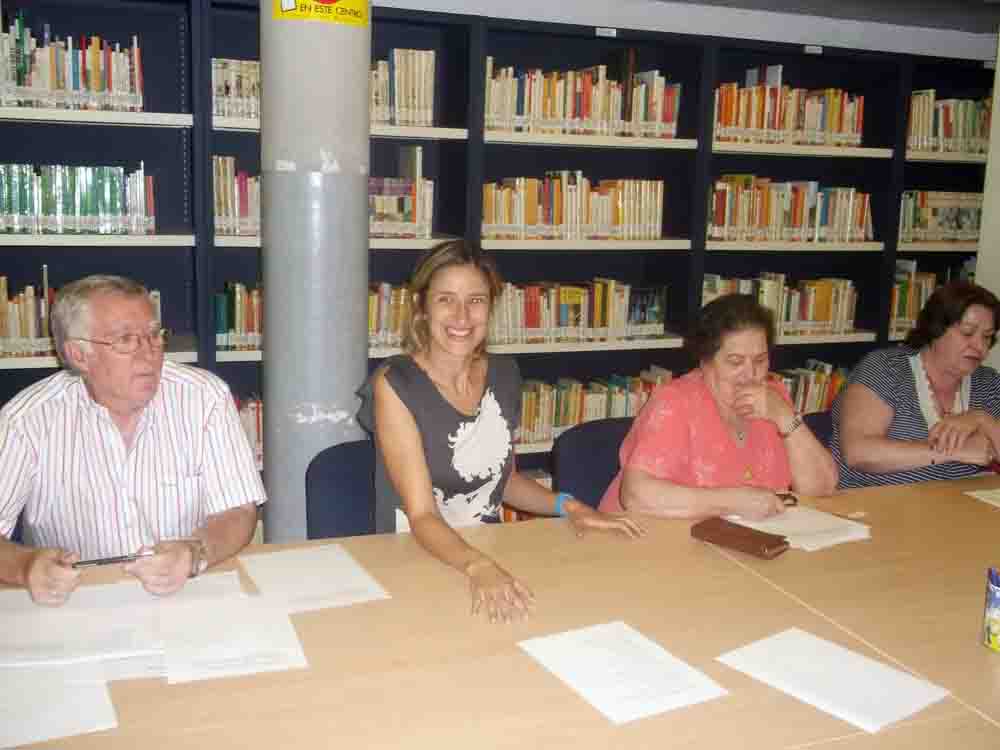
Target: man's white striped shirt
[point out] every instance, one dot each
(64, 462)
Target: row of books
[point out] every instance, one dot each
(24, 319)
(401, 89)
(765, 110)
(949, 125)
(746, 207)
(581, 101)
(237, 198)
(398, 207)
(82, 73)
(235, 88)
(815, 386)
(239, 317)
(932, 215)
(402, 206)
(251, 412)
(603, 309)
(566, 205)
(549, 409)
(910, 291)
(811, 306)
(63, 199)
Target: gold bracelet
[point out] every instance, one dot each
(796, 424)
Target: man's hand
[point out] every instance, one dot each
(165, 572)
(50, 577)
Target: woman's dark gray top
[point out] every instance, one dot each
(469, 458)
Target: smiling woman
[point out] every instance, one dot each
(929, 409)
(444, 416)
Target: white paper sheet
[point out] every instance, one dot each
(992, 497)
(227, 637)
(859, 690)
(109, 621)
(620, 672)
(44, 703)
(144, 667)
(312, 578)
(67, 635)
(810, 529)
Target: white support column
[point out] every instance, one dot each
(315, 57)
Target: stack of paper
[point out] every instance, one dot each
(233, 636)
(312, 578)
(810, 529)
(620, 672)
(834, 679)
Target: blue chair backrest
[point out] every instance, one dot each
(821, 423)
(340, 491)
(585, 458)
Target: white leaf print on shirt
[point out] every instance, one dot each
(481, 446)
(480, 450)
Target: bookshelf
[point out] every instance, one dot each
(77, 117)
(162, 137)
(590, 141)
(938, 170)
(791, 149)
(177, 135)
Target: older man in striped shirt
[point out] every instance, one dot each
(121, 452)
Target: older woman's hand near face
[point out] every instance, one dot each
(950, 434)
(763, 401)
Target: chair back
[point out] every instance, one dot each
(821, 423)
(340, 491)
(585, 458)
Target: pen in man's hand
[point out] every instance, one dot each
(113, 560)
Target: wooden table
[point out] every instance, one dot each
(417, 671)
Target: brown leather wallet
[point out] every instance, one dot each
(728, 534)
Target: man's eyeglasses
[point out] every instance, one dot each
(129, 343)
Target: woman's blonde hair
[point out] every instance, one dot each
(416, 335)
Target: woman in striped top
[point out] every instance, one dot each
(928, 409)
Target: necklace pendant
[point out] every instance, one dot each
(748, 474)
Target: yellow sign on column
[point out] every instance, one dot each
(351, 12)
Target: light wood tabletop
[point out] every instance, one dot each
(916, 590)
(418, 671)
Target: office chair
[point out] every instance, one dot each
(821, 423)
(340, 491)
(585, 457)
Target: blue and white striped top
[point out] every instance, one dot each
(889, 375)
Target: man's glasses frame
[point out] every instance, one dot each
(129, 343)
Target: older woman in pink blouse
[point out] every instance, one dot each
(724, 438)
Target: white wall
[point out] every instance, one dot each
(689, 18)
(988, 262)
